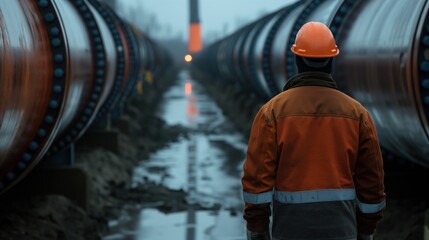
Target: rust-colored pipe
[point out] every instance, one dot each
(32, 84)
(56, 73)
(61, 63)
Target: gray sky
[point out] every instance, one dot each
(218, 17)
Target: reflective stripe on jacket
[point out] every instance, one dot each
(313, 146)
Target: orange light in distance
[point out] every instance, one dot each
(188, 58)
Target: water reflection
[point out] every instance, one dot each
(207, 165)
(210, 226)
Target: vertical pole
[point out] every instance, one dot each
(195, 43)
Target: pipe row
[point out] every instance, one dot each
(64, 65)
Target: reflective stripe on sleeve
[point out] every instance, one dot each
(265, 197)
(312, 196)
(371, 208)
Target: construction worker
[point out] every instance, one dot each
(314, 153)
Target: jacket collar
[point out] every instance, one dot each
(310, 79)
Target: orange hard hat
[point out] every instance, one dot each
(315, 40)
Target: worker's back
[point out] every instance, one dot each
(313, 151)
(317, 131)
(317, 136)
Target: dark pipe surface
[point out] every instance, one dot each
(79, 73)
(92, 64)
(122, 66)
(378, 66)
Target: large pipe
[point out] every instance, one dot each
(383, 63)
(33, 81)
(61, 64)
(91, 62)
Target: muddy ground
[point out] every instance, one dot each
(51, 216)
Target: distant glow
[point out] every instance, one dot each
(188, 58)
(188, 88)
(169, 19)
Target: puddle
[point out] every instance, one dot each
(207, 165)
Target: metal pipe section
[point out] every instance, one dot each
(86, 69)
(62, 63)
(384, 66)
(32, 84)
(383, 63)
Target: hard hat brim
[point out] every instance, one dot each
(303, 53)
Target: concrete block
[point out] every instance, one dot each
(105, 139)
(69, 182)
(61, 159)
(123, 125)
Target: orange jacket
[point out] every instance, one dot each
(312, 144)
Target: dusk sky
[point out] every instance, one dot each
(218, 17)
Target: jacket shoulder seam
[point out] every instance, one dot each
(356, 118)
